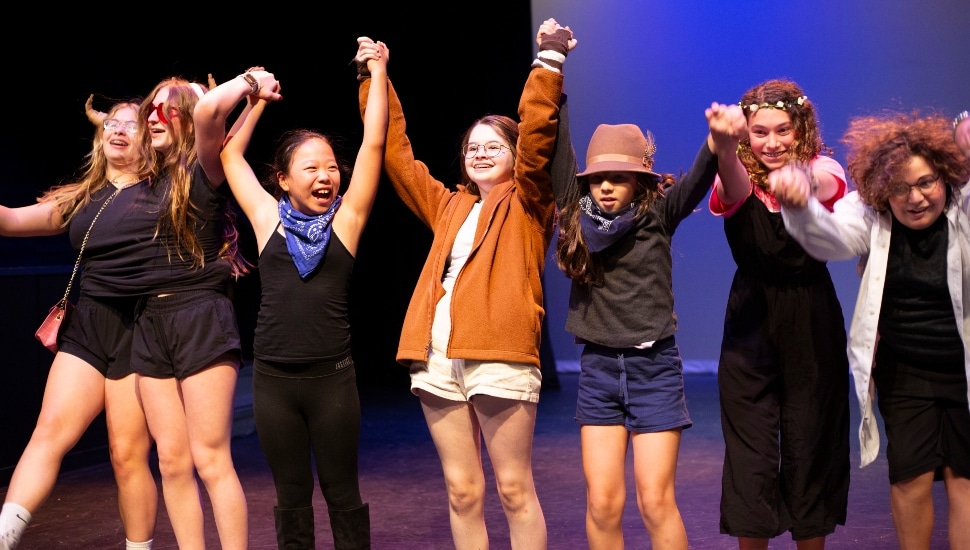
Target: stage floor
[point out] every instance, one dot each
(401, 479)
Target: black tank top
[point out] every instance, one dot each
(303, 320)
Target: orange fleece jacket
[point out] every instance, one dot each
(496, 309)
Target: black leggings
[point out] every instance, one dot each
(299, 419)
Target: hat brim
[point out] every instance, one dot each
(616, 166)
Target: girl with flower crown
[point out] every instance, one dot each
(783, 373)
(305, 400)
(616, 223)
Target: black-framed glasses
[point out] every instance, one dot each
(130, 126)
(492, 149)
(925, 185)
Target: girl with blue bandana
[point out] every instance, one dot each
(305, 400)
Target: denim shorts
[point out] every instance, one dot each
(641, 389)
(462, 379)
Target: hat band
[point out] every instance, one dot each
(614, 158)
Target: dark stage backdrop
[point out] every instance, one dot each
(449, 67)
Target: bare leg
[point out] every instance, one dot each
(73, 397)
(655, 467)
(818, 543)
(604, 462)
(130, 445)
(911, 502)
(958, 501)
(208, 397)
(457, 437)
(746, 543)
(508, 427)
(164, 411)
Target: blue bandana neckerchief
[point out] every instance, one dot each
(601, 229)
(307, 237)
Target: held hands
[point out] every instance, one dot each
(549, 27)
(370, 56)
(791, 185)
(266, 86)
(728, 126)
(555, 42)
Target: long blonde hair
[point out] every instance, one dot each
(180, 218)
(69, 198)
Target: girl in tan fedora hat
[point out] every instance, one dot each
(616, 223)
(783, 371)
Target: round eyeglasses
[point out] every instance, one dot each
(925, 186)
(130, 127)
(492, 149)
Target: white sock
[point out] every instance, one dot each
(13, 521)
(147, 545)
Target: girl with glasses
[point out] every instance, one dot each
(909, 342)
(471, 333)
(92, 369)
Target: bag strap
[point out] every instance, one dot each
(63, 303)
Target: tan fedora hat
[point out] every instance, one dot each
(620, 147)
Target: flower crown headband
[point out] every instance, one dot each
(783, 105)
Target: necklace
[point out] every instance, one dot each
(124, 180)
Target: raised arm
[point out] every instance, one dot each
(539, 122)
(358, 200)
(734, 184)
(214, 108)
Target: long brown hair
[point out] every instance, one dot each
(177, 163)
(572, 256)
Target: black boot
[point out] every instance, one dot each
(294, 528)
(351, 528)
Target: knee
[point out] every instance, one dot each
(466, 497)
(175, 464)
(515, 495)
(605, 510)
(656, 505)
(128, 456)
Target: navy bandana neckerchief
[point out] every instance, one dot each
(601, 229)
(306, 236)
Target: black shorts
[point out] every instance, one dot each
(99, 331)
(180, 334)
(926, 416)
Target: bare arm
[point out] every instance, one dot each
(734, 184)
(36, 220)
(214, 109)
(358, 200)
(257, 204)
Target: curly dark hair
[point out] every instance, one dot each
(879, 147)
(808, 139)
